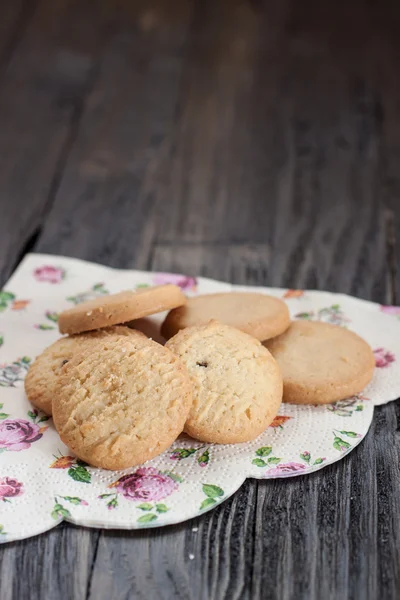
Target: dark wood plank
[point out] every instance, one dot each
(42, 90)
(52, 565)
(13, 15)
(107, 188)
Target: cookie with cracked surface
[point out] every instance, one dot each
(237, 385)
(120, 308)
(259, 315)
(123, 402)
(321, 363)
(40, 381)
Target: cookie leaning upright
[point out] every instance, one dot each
(237, 385)
(259, 315)
(123, 402)
(120, 308)
(42, 377)
(321, 363)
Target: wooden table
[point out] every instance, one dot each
(253, 142)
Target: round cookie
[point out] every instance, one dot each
(237, 385)
(40, 381)
(258, 315)
(120, 308)
(321, 363)
(123, 402)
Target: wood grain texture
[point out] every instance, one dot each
(113, 167)
(52, 565)
(252, 142)
(41, 94)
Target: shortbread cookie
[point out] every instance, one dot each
(237, 385)
(40, 381)
(321, 363)
(258, 315)
(123, 402)
(120, 308)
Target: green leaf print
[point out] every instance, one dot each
(350, 434)
(173, 476)
(204, 458)
(264, 451)
(6, 296)
(207, 502)
(73, 500)
(5, 299)
(59, 512)
(304, 315)
(162, 508)
(212, 491)
(80, 473)
(306, 456)
(99, 287)
(259, 462)
(1, 340)
(318, 461)
(340, 444)
(113, 503)
(52, 316)
(145, 506)
(274, 460)
(3, 416)
(181, 453)
(33, 414)
(147, 518)
(44, 327)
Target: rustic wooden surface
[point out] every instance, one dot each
(252, 141)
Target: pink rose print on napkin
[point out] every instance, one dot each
(185, 283)
(285, 469)
(147, 483)
(18, 434)
(49, 274)
(9, 488)
(383, 358)
(391, 310)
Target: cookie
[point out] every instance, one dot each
(40, 381)
(120, 308)
(258, 315)
(237, 385)
(321, 363)
(123, 402)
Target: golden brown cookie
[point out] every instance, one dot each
(40, 381)
(258, 315)
(321, 363)
(237, 385)
(120, 308)
(123, 402)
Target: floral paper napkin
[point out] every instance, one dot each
(42, 483)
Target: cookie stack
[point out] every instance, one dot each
(118, 398)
